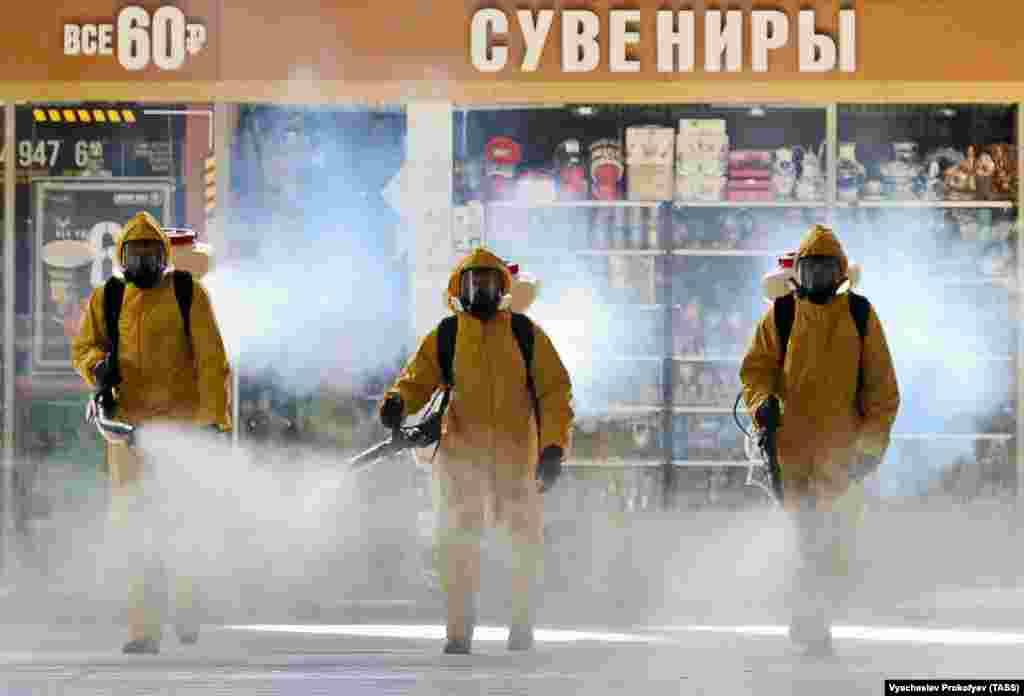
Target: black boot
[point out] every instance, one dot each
(455, 646)
(187, 634)
(520, 637)
(820, 648)
(142, 646)
(813, 636)
(463, 646)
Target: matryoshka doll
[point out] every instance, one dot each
(606, 168)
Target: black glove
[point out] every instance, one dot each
(549, 468)
(106, 374)
(105, 400)
(391, 411)
(863, 466)
(768, 413)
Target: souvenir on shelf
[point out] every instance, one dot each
(936, 164)
(959, 179)
(750, 176)
(687, 390)
(572, 170)
(983, 173)
(784, 174)
(810, 186)
(502, 156)
(650, 152)
(702, 149)
(901, 174)
(850, 173)
(736, 227)
(689, 333)
(606, 168)
(1004, 179)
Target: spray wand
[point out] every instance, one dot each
(764, 438)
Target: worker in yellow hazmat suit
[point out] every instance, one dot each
(833, 401)
(497, 453)
(165, 372)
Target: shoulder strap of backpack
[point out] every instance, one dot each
(446, 333)
(785, 311)
(183, 293)
(113, 296)
(860, 308)
(522, 329)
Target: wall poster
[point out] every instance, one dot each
(77, 222)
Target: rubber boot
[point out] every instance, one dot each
(520, 637)
(525, 576)
(464, 646)
(147, 598)
(462, 560)
(142, 646)
(186, 617)
(812, 635)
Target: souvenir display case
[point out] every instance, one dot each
(927, 195)
(650, 228)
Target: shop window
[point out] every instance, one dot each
(652, 227)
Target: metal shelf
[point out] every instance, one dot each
(750, 204)
(725, 252)
(622, 252)
(574, 204)
(1003, 205)
(713, 463)
(966, 356)
(707, 358)
(1005, 281)
(615, 463)
(636, 358)
(953, 436)
(632, 307)
(703, 409)
(633, 410)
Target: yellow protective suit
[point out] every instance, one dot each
(486, 464)
(822, 433)
(165, 377)
(821, 430)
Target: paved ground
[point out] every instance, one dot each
(682, 606)
(389, 659)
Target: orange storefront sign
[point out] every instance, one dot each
(229, 48)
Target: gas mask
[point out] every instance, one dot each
(144, 263)
(818, 278)
(481, 290)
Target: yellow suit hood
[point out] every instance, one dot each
(822, 241)
(143, 226)
(479, 258)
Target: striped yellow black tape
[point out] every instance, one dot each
(51, 115)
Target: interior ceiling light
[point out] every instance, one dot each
(947, 112)
(585, 110)
(757, 111)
